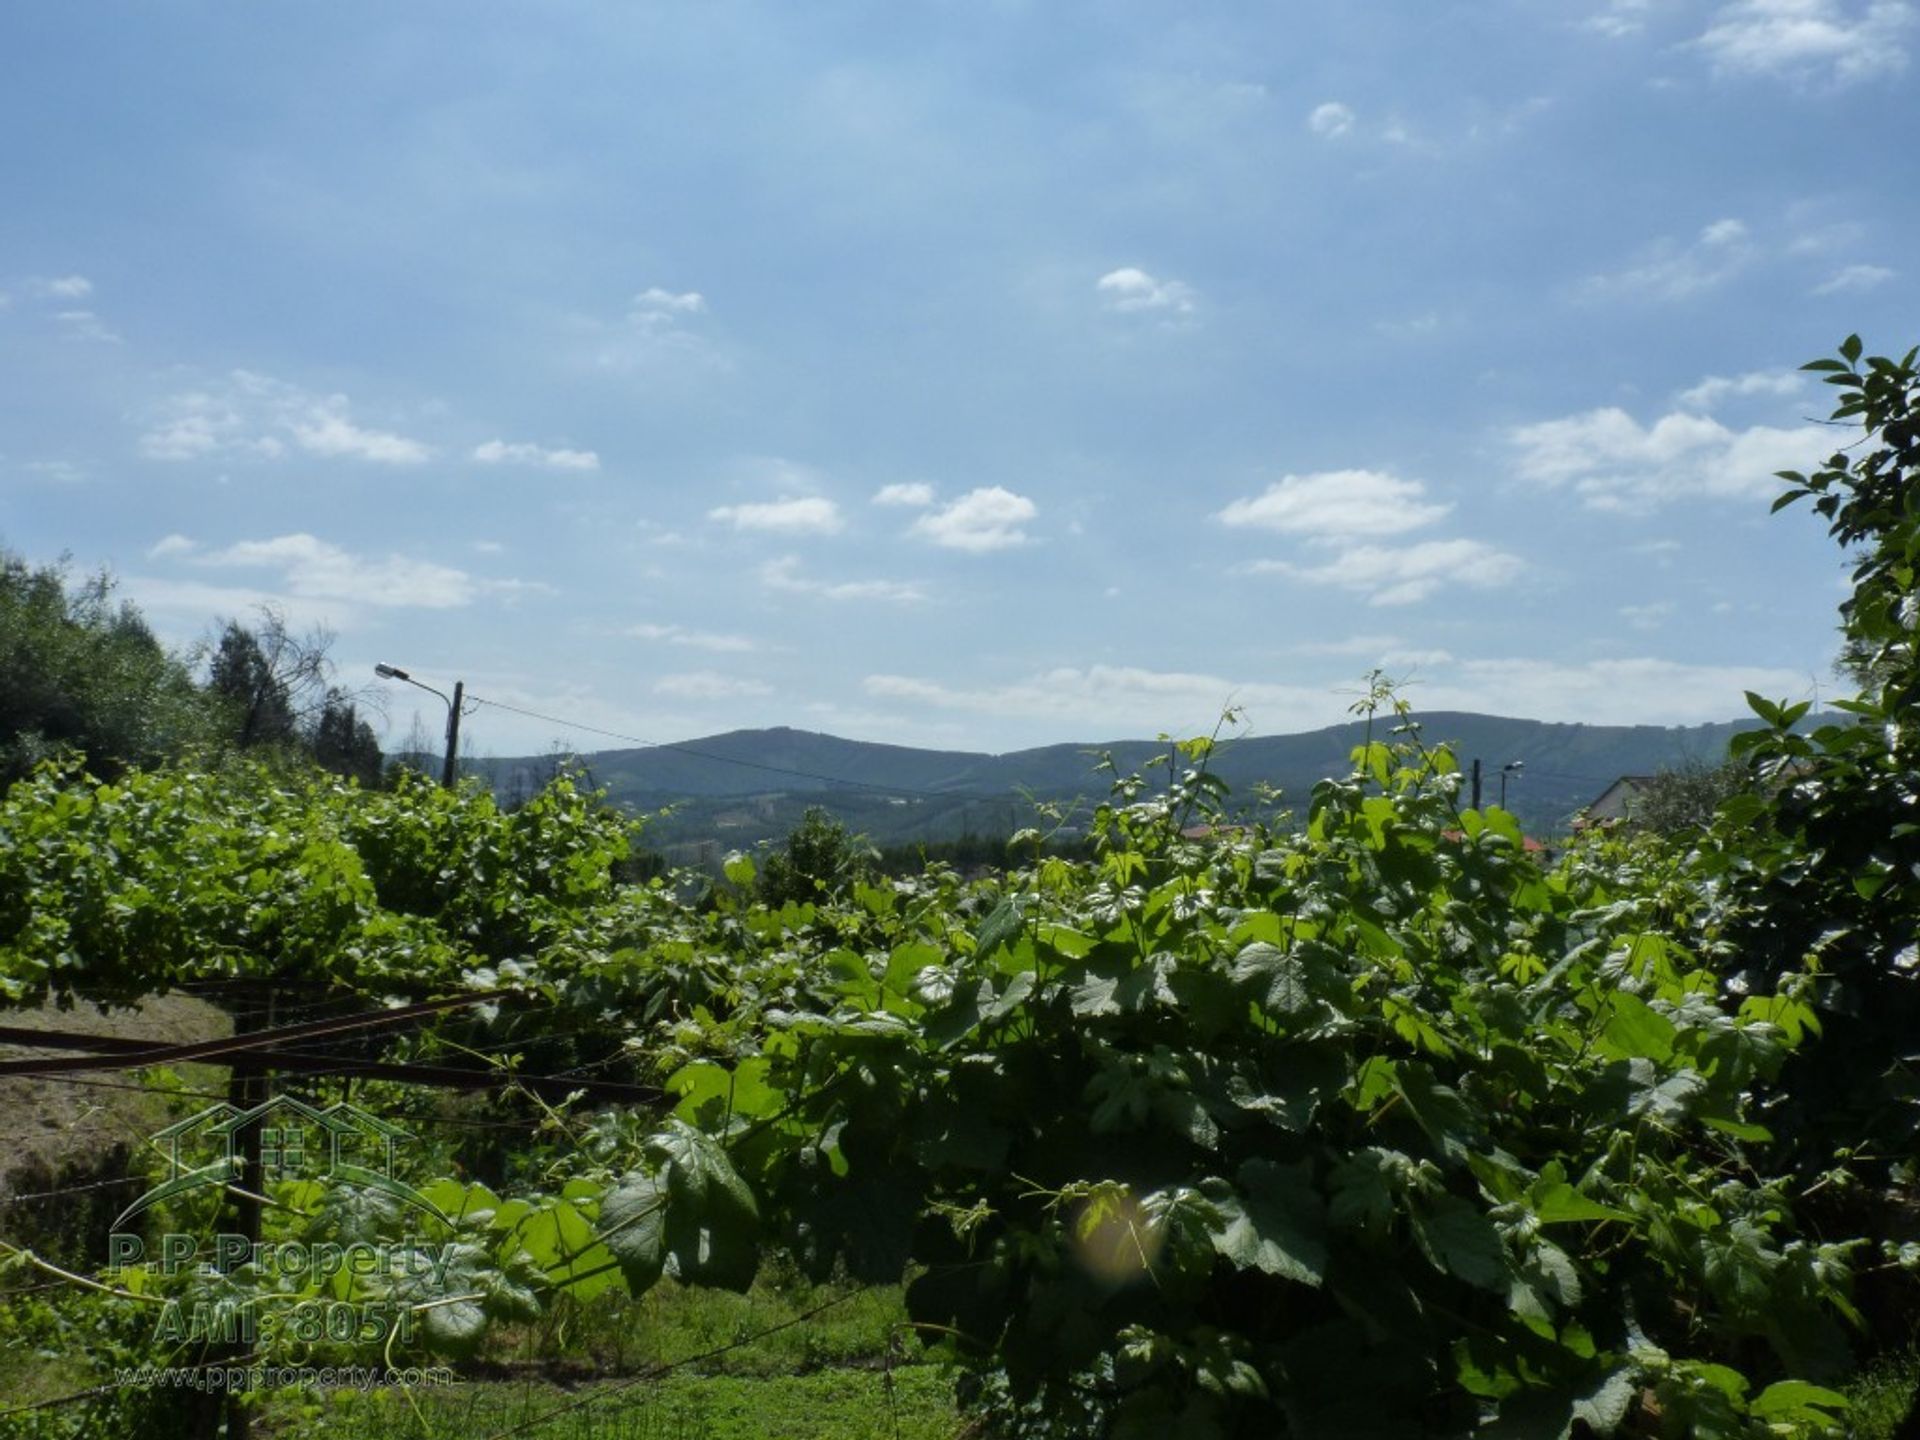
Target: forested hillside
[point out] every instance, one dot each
(746, 786)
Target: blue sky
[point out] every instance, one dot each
(974, 375)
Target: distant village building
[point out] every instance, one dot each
(694, 855)
(1614, 805)
(1534, 849)
(1212, 832)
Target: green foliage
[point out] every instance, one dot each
(82, 675)
(911, 1404)
(1374, 1124)
(112, 891)
(1365, 1129)
(78, 672)
(819, 860)
(258, 700)
(1682, 800)
(344, 743)
(61, 1343)
(1372, 1127)
(1819, 883)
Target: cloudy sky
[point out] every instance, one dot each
(971, 374)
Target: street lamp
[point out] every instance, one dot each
(394, 672)
(1512, 767)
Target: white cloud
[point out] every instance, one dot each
(1405, 574)
(1331, 120)
(1352, 645)
(501, 452)
(256, 415)
(328, 431)
(1606, 692)
(990, 518)
(798, 515)
(1716, 388)
(1650, 616)
(692, 639)
(57, 472)
(199, 423)
(1385, 651)
(913, 493)
(1620, 18)
(1841, 41)
(784, 574)
(707, 685)
(1132, 291)
(1338, 509)
(312, 569)
(85, 325)
(1814, 233)
(1128, 700)
(1615, 463)
(1403, 661)
(1136, 701)
(655, 308)
(63, 287)
(1412, 327)
(1336, 504)
(182, 608)
(659, 334)
(174, 544)
(1673, 272)
(1854, 280)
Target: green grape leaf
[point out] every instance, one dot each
(633, 1227)
(1457, 1237)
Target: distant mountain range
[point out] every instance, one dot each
(745, 786)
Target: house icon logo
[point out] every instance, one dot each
(296, 1141)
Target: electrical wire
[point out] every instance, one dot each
(222, 1095)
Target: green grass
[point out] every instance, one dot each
(1880, 1395)
(826, 1405)
(28, 1376)
(819, 1378)
(670, 1323)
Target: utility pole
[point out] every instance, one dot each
(450, 769)
(1512, 767)
(1476, 784)
(448, 766)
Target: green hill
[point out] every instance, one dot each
(744, 786)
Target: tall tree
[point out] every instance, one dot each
(344, 743)
(818, 861)
(274, 684)
(79, 672)
(257, 700)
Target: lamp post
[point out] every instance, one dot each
(394, 672)
(1512, 767)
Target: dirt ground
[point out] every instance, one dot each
(52, 1130)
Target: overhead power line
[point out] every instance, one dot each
(457, 1121)
(136, 1054)
(147, 1054)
